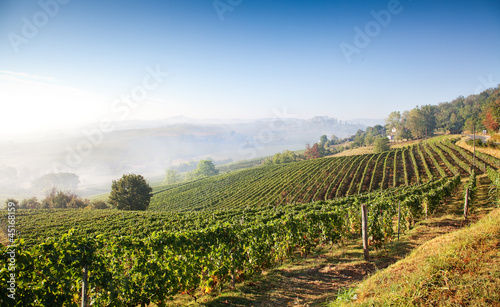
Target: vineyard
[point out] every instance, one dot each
(218, 238)
(320, 179)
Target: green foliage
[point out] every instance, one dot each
(286, 157)
(171, 177)
(368, 137)
(99, 204)
(131, 192)
(421, 121)
(11, 200)
(30, 203)
(494, 191)
(381, 144)
(471, 186)
(60, 199)
(405, 134)
(206, 168)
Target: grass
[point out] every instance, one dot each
(495, 152)
(458, 269)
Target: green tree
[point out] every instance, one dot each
(206, 168)
(30, 203)
(394, 120)
(323, 140)
(286, 156)
(131, 192)
(61, 200)
(405, 134)
(416, 123)
(11, 200)
(171, 177)
(334, 140)
(381, 144)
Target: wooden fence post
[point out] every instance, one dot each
(364, 221)
(85, 286)
(466, 205)
(399, 217)
(233, 277)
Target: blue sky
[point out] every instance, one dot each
(260, 56)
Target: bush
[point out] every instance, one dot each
(491, 144)
(478, 142)
(99, 204)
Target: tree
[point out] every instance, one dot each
(334, 140)
(286, 156)
(171, 177)
(405, 134)
(131, 192)
(490, 123)
(30, 203)
(416, 123)
(381, 144)
(11, 200)
(322, 140)
(312, 152)
(60, 199)
(394, 120)
(206, 168)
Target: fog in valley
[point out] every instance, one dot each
(149, 148)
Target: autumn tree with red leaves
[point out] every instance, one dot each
(312, 152)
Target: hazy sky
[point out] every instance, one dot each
(63, 63)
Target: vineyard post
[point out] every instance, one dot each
(233, 278)
(84, 286)
(466, 205)
(399, 216)
(364, 221)
(426, 208)
(474, 146)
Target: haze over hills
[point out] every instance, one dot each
(150, 147)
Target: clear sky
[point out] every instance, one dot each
(64, 63)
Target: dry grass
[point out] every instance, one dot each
(355, 151)
(489, 151)
(495, 137)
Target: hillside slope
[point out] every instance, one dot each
(458, 269)
(318, 179)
